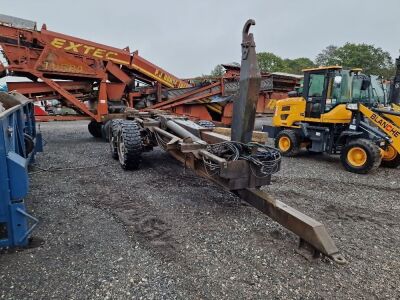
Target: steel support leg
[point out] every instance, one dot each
(308, 229)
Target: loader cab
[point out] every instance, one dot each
(326, 87)
(315, 89)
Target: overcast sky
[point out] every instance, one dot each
(189, 38)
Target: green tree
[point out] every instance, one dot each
(269, 62)
(373, 60)
(218, 71)
(328, 57)
(295, 66)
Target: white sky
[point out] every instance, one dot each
(188, 38)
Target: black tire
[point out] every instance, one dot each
(95, 128)
(130, 146)
(29, 144)
(113, 136)
(392, 163)
(105, 131)
(294, 147)
(373, 156)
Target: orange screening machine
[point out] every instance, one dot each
(96, 81)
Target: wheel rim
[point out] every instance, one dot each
(113, 147)
(112, 140)
(357, 156)
(389, 154)
(121, 150)
(284, 143)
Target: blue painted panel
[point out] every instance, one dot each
(18, 176)
(14, 181)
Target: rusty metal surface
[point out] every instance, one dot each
(244, 108)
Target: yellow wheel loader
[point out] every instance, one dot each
(333, 115)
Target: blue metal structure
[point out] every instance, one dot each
(19, 142)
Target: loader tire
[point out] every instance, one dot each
(130, 146)
(113, 136)
(95, 128)
(287, 142)
(361, 156)
(391, 159)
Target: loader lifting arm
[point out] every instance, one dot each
(382, 128)
(378, 118)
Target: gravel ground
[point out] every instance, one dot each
(161, 232)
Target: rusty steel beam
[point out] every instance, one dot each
(308, 229)
(170, 102)
(28, 87)
(61, 118)
(63, 92)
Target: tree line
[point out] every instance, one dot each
(373, 60)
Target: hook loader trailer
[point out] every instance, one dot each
(236, 164)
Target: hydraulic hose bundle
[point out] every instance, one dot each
(264, 160)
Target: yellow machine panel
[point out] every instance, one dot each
(288, 111)
(338, 114)
(291, 110)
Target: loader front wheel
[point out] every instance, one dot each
(391, 158)
(287, 142)
(95, 129)
(130, 145)
(361, 156)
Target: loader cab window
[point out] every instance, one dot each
(316, 85)
(315, 93)
(361, 90)
(339, 89)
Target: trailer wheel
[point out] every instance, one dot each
(105, 131)
(361, 156)
(391, 158)
(95, 128)
(287, 142)
(130, 145)
(113, 136)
